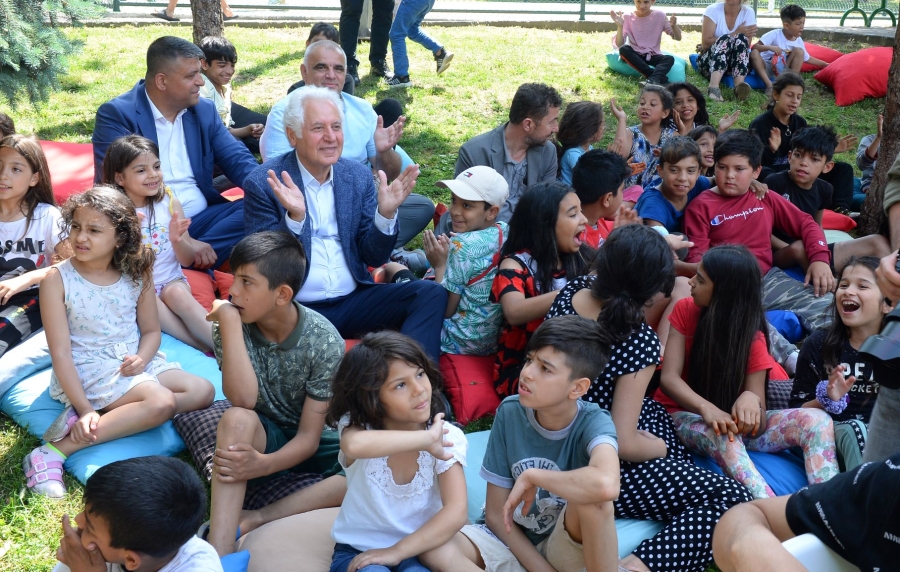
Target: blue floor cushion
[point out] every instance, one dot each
(753, 80)
(29, 404)
(617, 64)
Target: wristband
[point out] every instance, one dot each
(833, 407)
(661, 230)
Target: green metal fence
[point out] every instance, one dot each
(866, 9)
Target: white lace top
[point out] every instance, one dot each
(377, 512)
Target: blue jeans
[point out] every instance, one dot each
(344, 553)
(406, 25)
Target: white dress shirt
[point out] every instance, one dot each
(329, 274)
(176, 165)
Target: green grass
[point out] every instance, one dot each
(472, 97)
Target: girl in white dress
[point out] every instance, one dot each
(132, 165)
(103, 332)
(406, 491)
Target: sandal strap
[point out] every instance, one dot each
(39, 468)
(51, 474)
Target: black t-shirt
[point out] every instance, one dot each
(811, 370)
(763, 125)
(855, 513)
(810, 201)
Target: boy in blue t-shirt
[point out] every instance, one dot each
(552, 463)
(679, 167)
(467, 263)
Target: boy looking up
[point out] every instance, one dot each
(140, 515)
(556, 453)
(598, 178)
(729, 214)
(780, 50)
(277, 359)
(218, 68)
(467, 263)
(812, 150)
(643, 31)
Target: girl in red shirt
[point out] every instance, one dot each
(718, 402)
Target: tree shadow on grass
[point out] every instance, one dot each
(248, 74)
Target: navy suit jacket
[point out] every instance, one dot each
(207, 139)
(355, 200)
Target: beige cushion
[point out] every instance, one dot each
(300, 543)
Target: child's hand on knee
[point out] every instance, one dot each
(74, 555)
(719, 421)
(84, 428)
(132, 365)
(746, 413)
(240, 462)
(384, 556)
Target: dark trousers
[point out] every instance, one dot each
(221, 226)
(382, 17)
(243, 117)
(840, 177)
(661, 64)
(414, 308)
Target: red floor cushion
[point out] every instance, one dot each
(859, 75)
(71, 167)
(469, 385)
(819, 52)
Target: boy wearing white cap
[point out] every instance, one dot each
(467, 262)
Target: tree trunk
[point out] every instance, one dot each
(872, 219)
(207, 16)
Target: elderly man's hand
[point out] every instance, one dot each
(287, 193)
(392, 196)
(387, 137)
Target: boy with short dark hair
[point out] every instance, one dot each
(812, 151)
(638, 35)
(556, 453)
(277, 359)
(467, 263)
(679, 167)
(218, 68)
(783, 50)
(139, 514)
(598, 178)
(7, 127)
(730, 214)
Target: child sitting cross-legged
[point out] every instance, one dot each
(780, 50)
(467, 263)
(638, 35)
(277, 359)
(139, 514)
(715, 375)
(598, 179)
(99, 313)
(551, 462)
(406, 491)
(812, 149)
(730, 214)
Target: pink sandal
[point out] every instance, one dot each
(44, 473)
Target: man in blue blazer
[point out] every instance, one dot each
(166, 108)
(345, 225)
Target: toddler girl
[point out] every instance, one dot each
(406, 491)
(29, 236)
(543, 251)
(716, 370)
(830, 372)
(132, 165)
(103, 333)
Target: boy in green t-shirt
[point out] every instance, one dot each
(277, 359)
(558, 455)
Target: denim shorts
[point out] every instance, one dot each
(344, 554)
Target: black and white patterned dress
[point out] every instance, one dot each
(673, 489)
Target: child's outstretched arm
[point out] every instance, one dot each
(619, 19)
(56, 326)
(151, 333)
(438, 531)
(239, 382)
(624, 139)
(358, 443)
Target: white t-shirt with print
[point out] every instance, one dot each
(377, 512)
(22, 251)
(777, 38)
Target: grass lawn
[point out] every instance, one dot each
(472, 97)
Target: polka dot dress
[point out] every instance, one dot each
(671, 489)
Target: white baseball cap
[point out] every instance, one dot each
(479, 184)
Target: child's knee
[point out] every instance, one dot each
(440, 558)
(237, 423)
(161, 405)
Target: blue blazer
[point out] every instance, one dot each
(207, 139)
(355, 200)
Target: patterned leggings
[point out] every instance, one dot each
(729, 55)
(810, 429)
